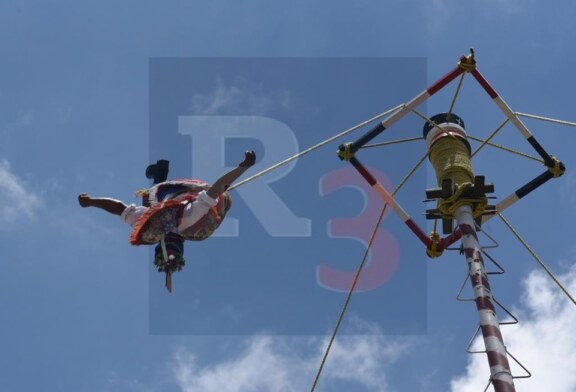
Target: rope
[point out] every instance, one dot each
(449, 206)
(553, 120)
(468, 63)
(535, 256)
(348, 298)
(164, 251)
(455, 97)
(382, 144)
(508, 149)
(433, 251)
(428, 120)
(451, 159)
(410, 173)
(490, 137)
(316, 146)
(359, 271)
(435, 228)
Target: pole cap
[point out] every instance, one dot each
(442, 125)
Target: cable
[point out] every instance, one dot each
(535, 256)
(348, 298)
(507, 149)
(316, 146)
(382, 144)
(359, 271)
(455, 97)
(489, 137)
(553, 120)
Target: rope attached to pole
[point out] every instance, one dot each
(487, 140)
(314, 147)
(549, 119)
(360, 268)
(507, 149)
(348, 298)
(456, 93)
(535, 256)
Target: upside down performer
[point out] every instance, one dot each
(174, 211)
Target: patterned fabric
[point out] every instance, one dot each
(175, 250)
(172, 189)
(167, 202)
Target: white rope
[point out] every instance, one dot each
(309, 149)
(553, 120)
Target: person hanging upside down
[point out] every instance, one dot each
(174, 211)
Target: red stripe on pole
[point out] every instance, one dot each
(468, 230)
(472, 253)
(484, 83)
(492, 330)
(484, 303)
(450, 76)
(478, 279)
(495, 358)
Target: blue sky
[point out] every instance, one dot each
(79, 305)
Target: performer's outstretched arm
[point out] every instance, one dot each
(112, 206)
(227, 179)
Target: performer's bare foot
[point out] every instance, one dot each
(227, 179)
(249, 159)
(84, 200)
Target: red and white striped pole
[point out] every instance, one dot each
(500, 373)
(449, 152)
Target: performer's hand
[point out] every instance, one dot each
(249, 160)
(84, 199)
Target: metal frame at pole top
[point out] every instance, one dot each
(500, 374)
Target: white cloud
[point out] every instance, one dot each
(241, 96)
(277, 364)
(544, 341)
(17, 200)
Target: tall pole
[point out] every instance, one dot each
(500, 373)
(449, 153)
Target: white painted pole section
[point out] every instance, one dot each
(500, 373)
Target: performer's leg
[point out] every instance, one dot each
(112, 206)
(227, 179)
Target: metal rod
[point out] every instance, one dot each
(513, 118)
(407, 108)
(520, 193)
(389, 199)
